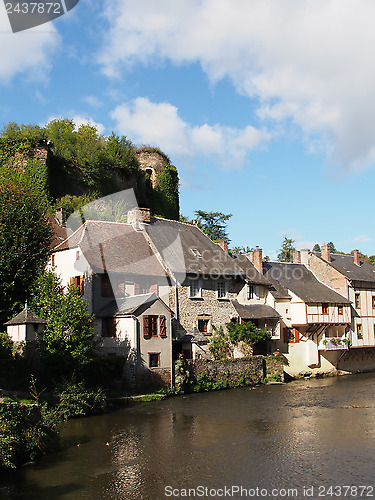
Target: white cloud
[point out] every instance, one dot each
(145, 122)
(26, 52)
(309, 63)
(362, 238)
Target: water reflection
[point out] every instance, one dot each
(304, 433)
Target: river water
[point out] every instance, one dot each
(282, 439)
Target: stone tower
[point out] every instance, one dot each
(152, 161)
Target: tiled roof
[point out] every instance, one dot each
(345, 265)
(128, 306)
(114, 247)
(255, 311)
(25, 317)
(186, 249)
(302, 282)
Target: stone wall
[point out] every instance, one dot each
(150, 379)
(221, 311)
(254, 370)
(328, 274)
(357, 360)
(153, 162)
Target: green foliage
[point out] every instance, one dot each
(33, 134)
(167, 197)
(331, 247)
(6, 346)
(75, 400)
(68, 331)
(240, 250)
(246, 332)
(27, 431)
(219, 345)
(24, 240)
(213, 224)
(286, 251)
(316, 248)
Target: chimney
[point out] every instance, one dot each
(357, 262)
(304, 255)
(326, 254)
(296, 257)
(224, 245)
(257, 256)
(60, 216)
(139, 215)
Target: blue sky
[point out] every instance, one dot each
(265, 106)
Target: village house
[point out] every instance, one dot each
(315, 319)
(127, 290)
(210, 287)
(354, 279)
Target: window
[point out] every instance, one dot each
(153, 359)
(154, 325)
(196, 252)
(106, 287)
(252, 292)
(53, 259)
(291, 335)
(324, 308)
(374, 330)
(340, 310)
(77, 255)
(78, 282)
(357, 300)
(222, 290)
(120, 289)
(373, 301)
(195, 289)
(203, 325)
(359, 332)
(109, 327)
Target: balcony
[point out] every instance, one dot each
(334, 344)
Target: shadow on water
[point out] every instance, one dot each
(310, 432)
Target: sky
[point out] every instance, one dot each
(266, 107)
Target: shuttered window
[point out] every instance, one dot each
(78, 282)
(109, 327)
(163, 326)
(146, 327)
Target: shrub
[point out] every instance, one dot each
(27, 431)
(75, 400)
(6, 345)
(246, 332)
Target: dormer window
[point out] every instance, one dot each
(325, 308)
(196, 252)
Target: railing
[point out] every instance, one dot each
(333, 344)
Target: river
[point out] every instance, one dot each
(282, 439)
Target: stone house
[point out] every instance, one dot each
(210, 287)
(354, 279)
(315, 319)
(127, 290)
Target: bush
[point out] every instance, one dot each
(27, 431)
(75, 400)
(6, 345)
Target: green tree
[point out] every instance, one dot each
(213, 224)
(316, 248)
(240, 250)
(286, 250)
(68, 333)
(167, 193)
(331, 247)
(246, 332)
(24, 240)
